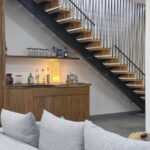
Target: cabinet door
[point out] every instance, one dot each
(75, 108)
(19, 100)
(41, 103)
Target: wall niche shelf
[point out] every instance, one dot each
(38, 57)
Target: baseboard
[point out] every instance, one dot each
(93, 117)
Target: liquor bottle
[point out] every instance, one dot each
(66, 52)
(48, 76)
(37, 77)
(30, 79)
(53, 52)
(43, 77)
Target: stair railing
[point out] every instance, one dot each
(125, 60)
(77, 13)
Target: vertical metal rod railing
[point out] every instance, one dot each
(140, 75)
(119, 22)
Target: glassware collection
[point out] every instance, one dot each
(38, 78)
(40, 52)
(72, 78)
(43, 78)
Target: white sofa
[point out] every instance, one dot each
(60, 134)
(8, 143)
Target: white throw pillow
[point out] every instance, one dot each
(20, 126)
(1, 130)
(60, 134)
(97, 138)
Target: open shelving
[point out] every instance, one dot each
(42, 57)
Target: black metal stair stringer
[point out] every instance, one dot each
(70, 40)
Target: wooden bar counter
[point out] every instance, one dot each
(68, 100)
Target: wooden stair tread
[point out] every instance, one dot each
(89, 40)
(130, 79)
(120, 72)
(142, 97)
(131, 75)
(59, 10)
(139, 92)
(70, 20)
(97, 49)
(52, 5)
(80, 30)
(135, 86)
(122, 67)
(107, 57)
(105, 52)
(113, 64)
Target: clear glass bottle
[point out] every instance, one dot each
(49, 53)
(66, 52)
(48, 76)
(43, 77)
(18, 79)
(37, 77)
(53, 52)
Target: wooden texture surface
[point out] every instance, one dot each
(137, 136)
(70, 102)
(19, 100)
(2, 53)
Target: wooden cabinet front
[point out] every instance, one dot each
(70, 102)
(19, 100)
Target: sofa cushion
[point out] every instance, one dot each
(8, 143)
(1, 130)
(57, 133)
(97, 138)
(20, 126)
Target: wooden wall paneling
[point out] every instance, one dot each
(20, 100)
(75, 108)
(41, 103)
(72, 103)
(2, 53)
(57, 91)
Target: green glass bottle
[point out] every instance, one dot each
(30, 79)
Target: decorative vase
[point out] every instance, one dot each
(9, 79)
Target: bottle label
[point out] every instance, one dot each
(59, 52)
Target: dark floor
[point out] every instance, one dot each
(122, 124)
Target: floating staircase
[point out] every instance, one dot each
(79, 35)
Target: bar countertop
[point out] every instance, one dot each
(24, 85)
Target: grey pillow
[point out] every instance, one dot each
(97, 138)
(60, 134)
(1, 130)
(20, 126)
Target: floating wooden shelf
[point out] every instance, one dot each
(40, 57)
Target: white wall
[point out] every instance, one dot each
(23, 30)
(147, 65)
